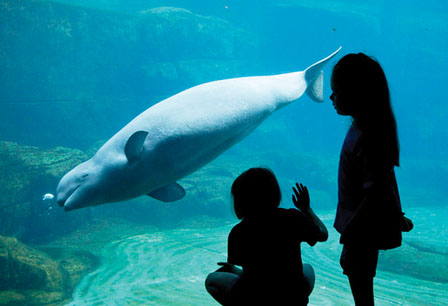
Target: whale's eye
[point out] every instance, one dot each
(85, 175)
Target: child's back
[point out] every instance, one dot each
(266, 243)
(268, 248)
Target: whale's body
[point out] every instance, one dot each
(179, 135)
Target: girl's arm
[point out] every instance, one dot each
(379, 216)
(301, 200)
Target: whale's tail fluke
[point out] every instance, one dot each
(314, 77)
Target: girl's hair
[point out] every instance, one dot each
(365, 91)
(255, 191)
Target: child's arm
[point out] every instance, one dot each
(301, 200)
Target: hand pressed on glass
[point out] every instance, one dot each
(301, 197)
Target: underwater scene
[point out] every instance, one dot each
(73, 73)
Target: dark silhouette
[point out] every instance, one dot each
(369, 216)
(266, 244)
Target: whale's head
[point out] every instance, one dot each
(95, 181)
(110, 176)
(79, 187)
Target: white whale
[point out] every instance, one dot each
(179, 135)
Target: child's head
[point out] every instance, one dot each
(255, 190)
(360, 90)
(359, 86)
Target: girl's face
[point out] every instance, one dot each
(340, 101)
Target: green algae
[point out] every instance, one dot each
(33, 276)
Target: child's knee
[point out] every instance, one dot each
(210, 279)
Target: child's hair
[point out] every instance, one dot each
(255, 190)
(363, 84)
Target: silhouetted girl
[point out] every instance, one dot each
(266, 243)
(369, 216)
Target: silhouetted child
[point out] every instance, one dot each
(369, 216)
(266, 243)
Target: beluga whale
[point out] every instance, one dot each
(181, 134)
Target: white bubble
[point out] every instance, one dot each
(47, 197)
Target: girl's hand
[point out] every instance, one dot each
(230, 268)
(301, 197)
(225, 264)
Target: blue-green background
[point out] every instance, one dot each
(73, 72)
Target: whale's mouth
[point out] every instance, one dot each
(61, 202)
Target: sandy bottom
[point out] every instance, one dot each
(169, 268)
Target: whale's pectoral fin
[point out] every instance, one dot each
(134, 146)
(168, 193)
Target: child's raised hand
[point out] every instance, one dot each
(301, 197)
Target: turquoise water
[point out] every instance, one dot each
(169, 268)
(73, 72)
